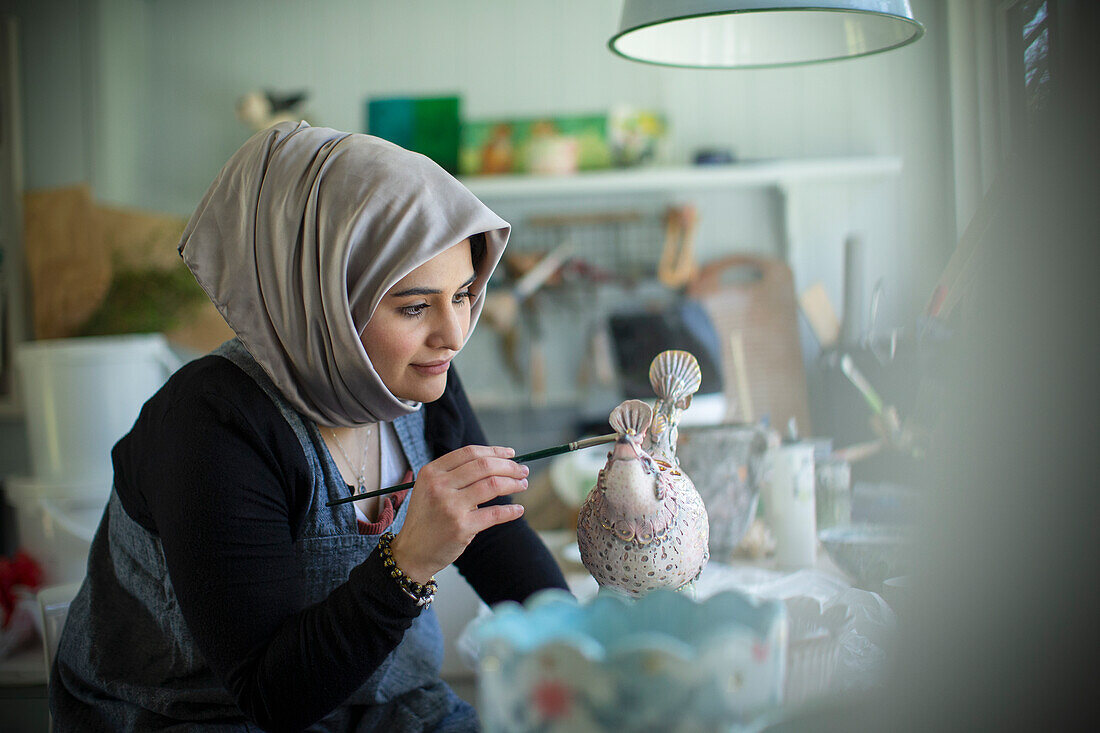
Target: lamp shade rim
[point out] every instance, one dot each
(916, 27)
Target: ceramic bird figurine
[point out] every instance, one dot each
(643, 526)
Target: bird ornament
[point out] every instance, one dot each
(643, 526)
(262, 109)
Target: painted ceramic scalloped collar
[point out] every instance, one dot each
(661, 662)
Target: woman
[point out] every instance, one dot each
(222, 593)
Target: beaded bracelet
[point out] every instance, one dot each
(422, 594)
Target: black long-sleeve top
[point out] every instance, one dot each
(213, 469)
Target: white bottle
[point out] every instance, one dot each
(788, 494)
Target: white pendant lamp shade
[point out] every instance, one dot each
(760, 33)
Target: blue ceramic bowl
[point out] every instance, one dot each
(661, 662)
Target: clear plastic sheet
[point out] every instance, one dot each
(861, 622)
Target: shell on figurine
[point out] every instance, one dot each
(644, 526)
(675, 376)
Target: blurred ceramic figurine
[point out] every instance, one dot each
(644, 526)
(262, 109)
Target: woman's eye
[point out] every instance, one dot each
(465, 295)
(414, 311)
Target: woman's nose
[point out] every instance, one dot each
(450, 329)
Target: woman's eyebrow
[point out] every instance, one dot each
(429, 291)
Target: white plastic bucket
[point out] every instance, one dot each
(82, 394)
(56, 523)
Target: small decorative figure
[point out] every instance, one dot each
(498, 155)
(758, 541)
(644, 526)
(262, 109)
(675, 377)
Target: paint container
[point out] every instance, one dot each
(789, 508)
(834, 492)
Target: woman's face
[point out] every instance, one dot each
(421, 323)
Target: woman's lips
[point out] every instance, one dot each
(433, 369)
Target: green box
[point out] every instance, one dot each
(427, 125)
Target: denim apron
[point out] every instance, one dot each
(126, 660)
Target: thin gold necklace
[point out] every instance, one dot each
(361, 477)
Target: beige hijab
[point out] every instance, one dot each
(300, 236)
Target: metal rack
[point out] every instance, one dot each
(625, 244)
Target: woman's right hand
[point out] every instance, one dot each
(443, 515)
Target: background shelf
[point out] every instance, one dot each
(745, 174)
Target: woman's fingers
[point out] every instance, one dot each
(456, 458)
(476, 482)
(491, 487)
(484, 467)
(443, 515)
(489, 516)
(482, 471)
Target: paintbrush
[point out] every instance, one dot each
(532, 456)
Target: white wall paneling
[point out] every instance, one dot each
(138, 97)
